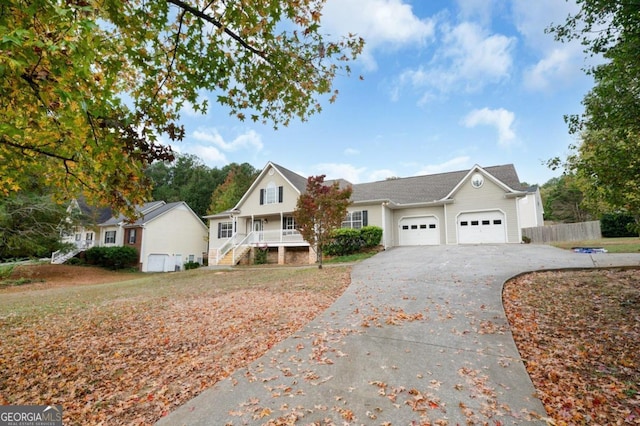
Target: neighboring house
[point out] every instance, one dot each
(165, 235)
(80, 229)
(476, 206)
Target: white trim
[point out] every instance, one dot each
(478, 169)
(264, 171)
(417, 216)
(504, 215)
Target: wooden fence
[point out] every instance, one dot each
(563, 232)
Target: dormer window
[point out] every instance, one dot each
(272, 194)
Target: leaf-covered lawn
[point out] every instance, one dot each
(579, 335)
(129, 352)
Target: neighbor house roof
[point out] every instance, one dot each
(427, 188)
(140, 210)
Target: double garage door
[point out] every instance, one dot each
(419, 231)
(482, 228)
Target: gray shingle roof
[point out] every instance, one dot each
(427, 188)
(148, 217)
(139, 209)
(296, 180)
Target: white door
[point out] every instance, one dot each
(482, 228)
(157, 262)
(257, 228)
(419, 231)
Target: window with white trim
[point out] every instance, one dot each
(110, 237)
(225, 229)
(132, 236)
(289, 225)
(270, 194)
(355, 220)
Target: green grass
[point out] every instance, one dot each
(356, 257)
(613, 245)
(154, 288)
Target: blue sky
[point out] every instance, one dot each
(447, 84)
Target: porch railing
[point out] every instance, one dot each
(61, 256)
(257, 238)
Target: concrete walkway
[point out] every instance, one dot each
(419, 337)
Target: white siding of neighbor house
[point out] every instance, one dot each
(486, 198)
(119, 236)
(162, 235)
(400, 214)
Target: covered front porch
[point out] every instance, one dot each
(274, 233)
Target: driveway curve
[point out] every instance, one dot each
(419, 337)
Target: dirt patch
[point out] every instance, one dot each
(43, 276)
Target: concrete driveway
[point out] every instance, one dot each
(419, 337)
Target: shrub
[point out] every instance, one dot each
(344, 241)
(260, 256)
(112, 257)
(371, 236)
(96, 256)
(75, 261)
(615, 225)
(191, 265)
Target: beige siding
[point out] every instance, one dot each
(177, 232)
(488, 197)
(251, 204)
(400, 214)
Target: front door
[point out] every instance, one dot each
(258, 228)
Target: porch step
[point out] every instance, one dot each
(58, 258)
(228, 258)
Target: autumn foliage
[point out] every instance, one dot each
(128, 353)
(579, 336)
(89, 87)
(320, 210)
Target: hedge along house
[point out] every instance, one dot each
(476, 206)
(167, 235)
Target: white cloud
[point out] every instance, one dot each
(500, 118)
(454, 164)
(351, 151)
(468, 59)
(558, 64)
(481, 10)
(211, 146)
(382, 174)
(340, 171)
(248, 140)
(209, 154)
(382, 23)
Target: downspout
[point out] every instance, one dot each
(384, 225)
(142, 268)
(446, 226)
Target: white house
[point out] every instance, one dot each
(476, 206)
(166, 235)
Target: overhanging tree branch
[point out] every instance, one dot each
(218, 24)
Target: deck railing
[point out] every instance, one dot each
(258, 238)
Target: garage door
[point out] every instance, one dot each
(481, 228)
(157, 262)
(419, 231)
